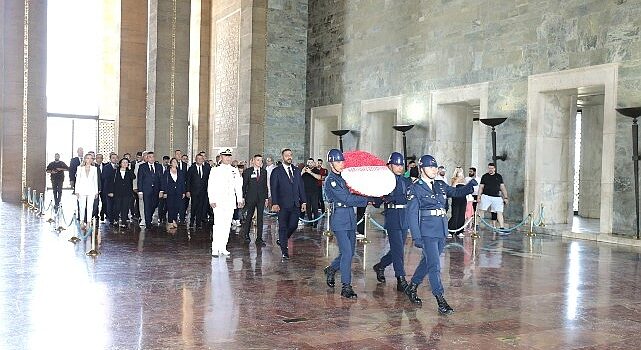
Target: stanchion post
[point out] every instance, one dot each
(41, 207)
(475, 234)
(542, 223)
(94, 239)
(530, 232)
(328, 231)
(29, 199)
(74, 239)
(34, 195)
(363, 238)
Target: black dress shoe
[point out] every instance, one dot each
(380, 272)
(443, 307)
(410, 291)
(278, 242)
(329, 276)
(348, 292)
(401, 284)
(285, 256)
(247, 240)
(149, 226)
(260, 243)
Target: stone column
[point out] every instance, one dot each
(199, 52)
(237, 76)
(22, 96)
(168, 79)
(130, 124)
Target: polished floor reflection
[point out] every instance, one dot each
(150, 289)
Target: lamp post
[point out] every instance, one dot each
(340, 134)
(404, 128)
(634, 113)
(493, 122)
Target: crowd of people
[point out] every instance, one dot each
(229, 194)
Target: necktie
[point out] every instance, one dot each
(291, 176)
(200, 174)
(151, 166)
(257, 175)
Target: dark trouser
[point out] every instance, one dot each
(250, 206)
(312, 206)
(96, 202)
(122, 204)
(151, 203)
(57, 192)
(162, 209)
(360, 213)
(346, 247)
(107, 208)
(458, 215)
(287, 224)
(198, 210)
(396, 249)
(430, 264)
(182, 213)
(174, 204)
(321, 201)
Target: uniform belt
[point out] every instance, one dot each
(433, 212)
(339, 205)
(394, 206)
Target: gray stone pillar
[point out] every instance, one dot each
(22, 96)
(168, 78)
(130, 124)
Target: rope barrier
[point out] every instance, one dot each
(311, 221)
(73, 218)
(371, 219)
(361, 220)
(462, 227)
(505, 230)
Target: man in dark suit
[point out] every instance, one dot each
(183, 166)
(197, 177)
(162, 203)
(255, 194)
(288, 198)
(106, 178)
(96, 203)
(73, 167)
(149, 186)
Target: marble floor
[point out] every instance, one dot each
(150, 289)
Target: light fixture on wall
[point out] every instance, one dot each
(404, 128)
(634, 113)
(494, 122)
(340, 134)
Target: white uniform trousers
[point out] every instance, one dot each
(222, 224)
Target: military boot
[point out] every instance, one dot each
(329, 276)
(410, 291)
(348, 292)
(380, 272)
(443, 307)
(401, 283)
(247, 239)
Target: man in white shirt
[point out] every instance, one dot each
(225, 192)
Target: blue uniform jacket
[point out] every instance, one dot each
(343, 202)
(421, 197)
(396, 219)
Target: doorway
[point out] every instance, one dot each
(324, 119)
(553, 102)
(64, 136)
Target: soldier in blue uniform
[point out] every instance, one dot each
(427, 219)
(342, 221)
(395, 223)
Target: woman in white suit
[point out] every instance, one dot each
(86, 187)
